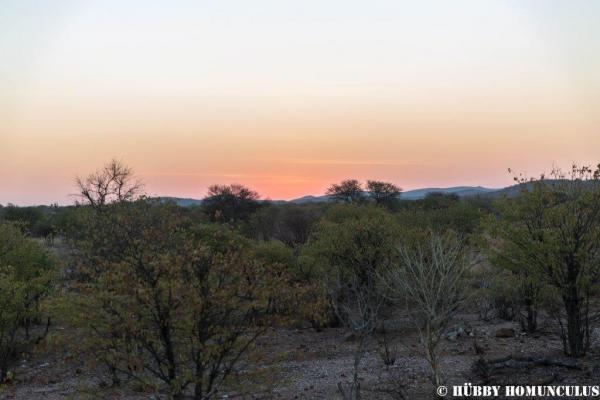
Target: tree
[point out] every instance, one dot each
(514, 242)
(383, 193)
(348, 191)
(558, 236)
(114, 182)
(230, 203)
(353, 249)
(301, 297)
(431, 279)
(358, 306)
(26, 271)
(167, 300)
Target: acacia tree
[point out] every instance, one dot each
(114, 182)
(383, 193)
(230, 203)
(430, 279)
(167, 301)
(559, 237)
(348, 191)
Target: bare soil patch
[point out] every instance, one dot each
(309, 364)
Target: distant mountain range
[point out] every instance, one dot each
(417, 194)
(182, 202)
(461, 191)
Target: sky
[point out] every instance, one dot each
(287, 97)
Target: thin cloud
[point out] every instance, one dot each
(282, 178)
(352, 162)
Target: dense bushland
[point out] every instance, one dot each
(174, 298)
(167, 300)
(550, 236)
(26, 275)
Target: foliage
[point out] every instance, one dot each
(26, 272)
(290, 224)
(29, 217)
(384, 193)
(497, 295)
(348, 191)
(174, 297)
(439, 200)
(230, 203)
(355, 239)
(354, 244)
(553, 230)
(302, 296)
(168, 300)
(461, 216)
(505, 243)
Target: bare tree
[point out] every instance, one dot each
(431, 280)
(114, 182)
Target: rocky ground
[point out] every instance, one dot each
(307, 364)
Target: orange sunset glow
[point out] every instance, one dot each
(287, 97)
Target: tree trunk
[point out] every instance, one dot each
(530, 323)
(576, 329)
(198, 388)
(3, 371)
(357, 359)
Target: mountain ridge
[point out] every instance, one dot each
(415, 194)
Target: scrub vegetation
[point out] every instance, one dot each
(365, 295)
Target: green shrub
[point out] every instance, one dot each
(26, 271)
(167, 301)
